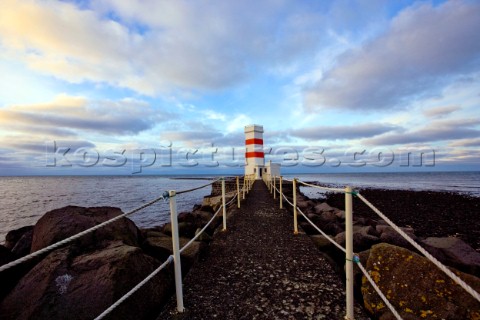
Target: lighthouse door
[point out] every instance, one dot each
(261, 171)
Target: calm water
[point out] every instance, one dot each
(25, 199)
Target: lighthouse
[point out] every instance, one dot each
(254, 154)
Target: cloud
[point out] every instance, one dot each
(475, 142)
(440, 111)
(156, 46)
(341, 132)
(69, 115)
(439, 130)
(424, 47)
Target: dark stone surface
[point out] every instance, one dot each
(62, 223)
(429, 213)
(13, 236)
(258, 269)
(69, 286)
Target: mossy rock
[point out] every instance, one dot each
(416, 287)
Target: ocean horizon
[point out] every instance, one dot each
(26, 198)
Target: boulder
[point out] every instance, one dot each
(454, 252)
(185, 229)
(13, 236)
(5, 255)
(321, 242)
(23, 245)
(322, 207)
(62, 223)
(389, 235)
(215, 202)
(161, 247)
(328, 216)
(340, 214)
(363, 238)
(415, 287)
(65, 286)
(303, 204)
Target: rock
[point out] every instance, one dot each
(307, 228)
(389, 235)
(333, 228)
(303, 204)
(216, 201)
(340, 214)
(415, 287)
(328, 216)
(321, 242)
(13, 236)
(161, 247)
(203, 237)
(62, 223)
(185, 229)
(362, 238)
(23, 245)
(5, 255)
(322, 207)
(454, 252)
(65, 286)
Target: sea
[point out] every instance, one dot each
(25, 199)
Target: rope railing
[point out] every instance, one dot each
(170, 195)
(197, 188)
(359, 264)
(248, 182)
(76, 236)
(354, 258)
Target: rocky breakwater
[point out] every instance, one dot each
(415, 287)
(82, 279)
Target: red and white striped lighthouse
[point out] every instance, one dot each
(254, 156)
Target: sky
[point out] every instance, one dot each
(167, 87)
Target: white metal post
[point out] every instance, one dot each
(274, 190)
(295, 219)
(281, 194)
(238, 192)
(176, 251)
(224, 206)
(349, 252)
(243, 188)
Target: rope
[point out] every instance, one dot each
(201, 231)
(205, 227)
(193, 189)
(379, 292)
(323, 188)
(135, 289)
(442, 267)
(374, 285)
(75, 237)
(323, 233)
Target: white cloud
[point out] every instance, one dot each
(424, 47)
(156, 46)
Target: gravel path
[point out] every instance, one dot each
(258, 269)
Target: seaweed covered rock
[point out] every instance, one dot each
(415, 287)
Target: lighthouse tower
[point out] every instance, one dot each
(254, 156)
